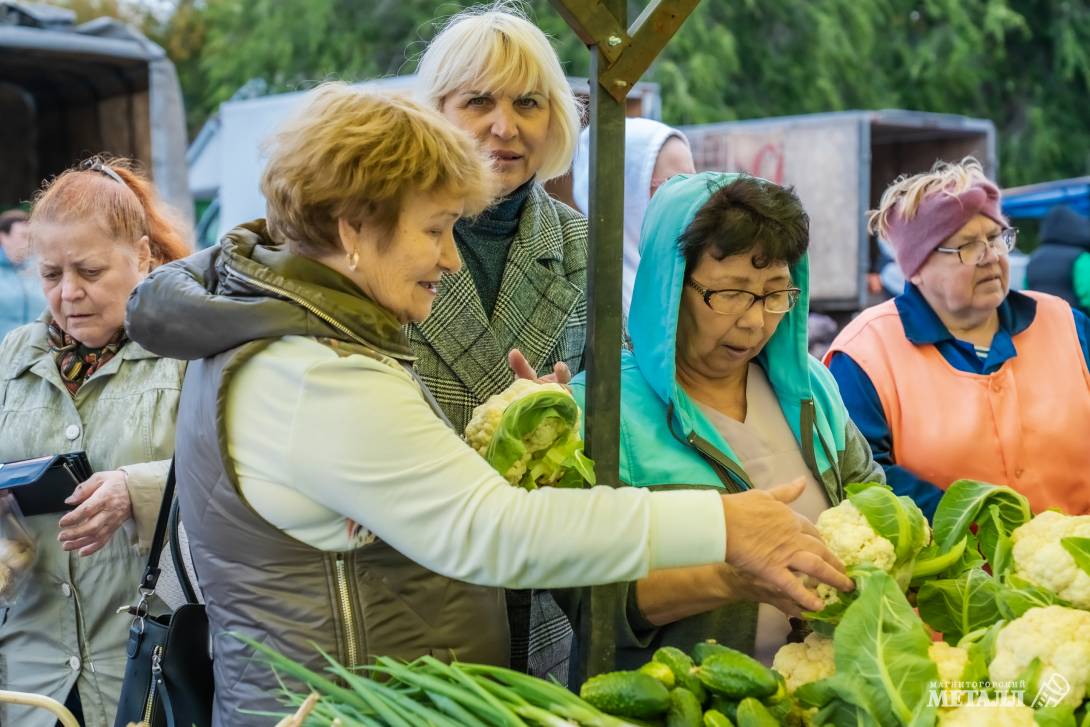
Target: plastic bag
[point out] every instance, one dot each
(17, 550)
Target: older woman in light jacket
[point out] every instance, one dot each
(73, 381)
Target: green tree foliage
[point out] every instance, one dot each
(1024, 64)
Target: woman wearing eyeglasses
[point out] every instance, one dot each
(961, 377)
(719, 392)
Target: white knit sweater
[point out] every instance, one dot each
(319, 439)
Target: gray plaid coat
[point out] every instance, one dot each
(462, 358)
(541, 310)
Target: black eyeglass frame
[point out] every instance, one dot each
(706, 293)
(1009, 235)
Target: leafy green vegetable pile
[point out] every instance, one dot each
(427, 693)
(1008, 593)
(982, 621)
(715, 687)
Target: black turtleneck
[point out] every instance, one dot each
(485, 240)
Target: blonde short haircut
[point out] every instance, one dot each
(356, 155)
(490, 47)
(906, 193)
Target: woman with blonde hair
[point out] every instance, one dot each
(327, 500)
(70, 381)
(494, 74)
(960, 376)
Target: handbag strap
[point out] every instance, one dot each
(176, 558)
(164, 695)
(151, 571)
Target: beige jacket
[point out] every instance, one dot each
(63, 627)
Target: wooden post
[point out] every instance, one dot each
(619, 56)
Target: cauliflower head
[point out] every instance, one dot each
(1042, 560)
(852, 539)
(810, 661)
(1058, 636)
(991, 715)
(950, 660)
(486, 417)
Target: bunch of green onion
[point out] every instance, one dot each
(426, 693)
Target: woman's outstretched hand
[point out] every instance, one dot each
(771, 545)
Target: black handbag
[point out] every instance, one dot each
(168, 678)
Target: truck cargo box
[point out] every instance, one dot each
(69, 91)
(840, 163)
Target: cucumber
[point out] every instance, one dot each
(684, 709)
(715, 718)
(736, 675)
(724, 705)
(626, 694)
(661, 672)
(752, 713)
(681, 665)
(706, 648)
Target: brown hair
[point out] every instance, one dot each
(119, 198)
(355, 155)
(11, 218)
(748, 214)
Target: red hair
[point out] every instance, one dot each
(121, 199)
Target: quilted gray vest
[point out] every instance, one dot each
(297, 599)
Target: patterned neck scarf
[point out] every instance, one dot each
(77, 362)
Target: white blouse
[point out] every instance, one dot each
(319, 439)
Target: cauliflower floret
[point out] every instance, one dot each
(1041, 559)
(486, 417)
(950, 660)
(1058, 636)
(517, 469)
(810, 661)
(991, 715)
(546, 434)
(852, 539)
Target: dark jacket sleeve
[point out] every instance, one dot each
(181, 310)
(865, 408)
(168, 313)
(857, 462)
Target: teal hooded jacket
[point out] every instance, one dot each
(666, 441)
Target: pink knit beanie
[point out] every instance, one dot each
(939, 216)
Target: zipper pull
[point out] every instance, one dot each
(156, 660)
